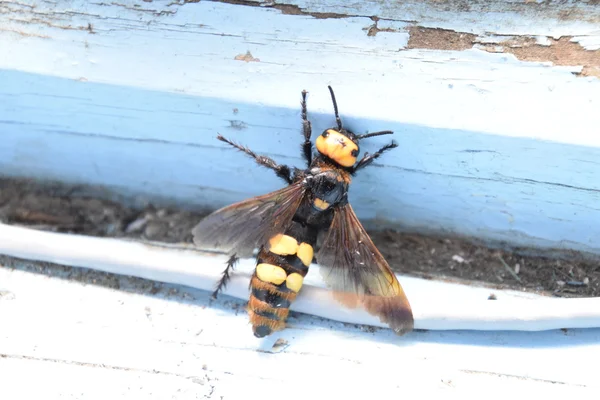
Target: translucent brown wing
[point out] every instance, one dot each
(359, 275)
(244, 226)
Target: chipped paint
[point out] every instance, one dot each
(246, 57)
(439, 39)
(562, 52)
(284, 8)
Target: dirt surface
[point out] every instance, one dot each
(60, 209)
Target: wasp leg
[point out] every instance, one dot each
(282, 171)
(307, 130)
(369, 158)
(225, 278)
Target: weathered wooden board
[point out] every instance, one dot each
(85, 339)
(436, 304)
(494, 104)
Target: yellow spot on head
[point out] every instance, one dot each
(338, 147)
(283, 245)
(294, 282)
(321, 204)
(305, 253)
(270, 273)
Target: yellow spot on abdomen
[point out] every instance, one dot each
(321, 204)
(294, 282)
(338, 147)
(271, 273)
(305, 253)
(283, 245)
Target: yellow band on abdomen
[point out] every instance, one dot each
(271, 273)
(283, 245)
(294, 282)
(305, 253)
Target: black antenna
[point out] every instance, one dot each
(366, 135)
(337, 116)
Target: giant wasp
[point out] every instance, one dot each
(284, 226)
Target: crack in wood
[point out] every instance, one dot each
(24, 34)
(502, 178)
(140, 9)
(40, 21)
(286, 9)
(519, 377)
(47, 18)
(93, 365)
(374, 29)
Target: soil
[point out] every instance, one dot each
(58, 208)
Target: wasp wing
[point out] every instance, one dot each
(358, 273)
(242, 227)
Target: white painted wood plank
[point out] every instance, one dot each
(490, 147)
(436, 305)
(176, 338)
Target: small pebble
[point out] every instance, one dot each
(137, 225)
(155, 230)
(458, 259)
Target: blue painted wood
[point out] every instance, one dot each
(163, 144)
(131, 95)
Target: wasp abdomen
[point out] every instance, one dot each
(280, 270)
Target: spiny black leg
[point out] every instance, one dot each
(282, 171)
(369, 158)
(335, 108)
(225, 278)
(307, 130)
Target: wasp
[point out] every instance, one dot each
(284, 226)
